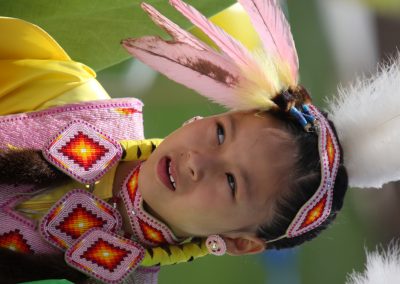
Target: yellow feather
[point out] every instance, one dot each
(265, 79)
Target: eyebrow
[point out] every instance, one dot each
(246, 183)
(232, 127)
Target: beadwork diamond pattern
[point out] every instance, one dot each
(132, 186)
(151, 233)
(83, 150)
(146, 228)
(315, 213)
(105, 254)
(76, 213)
(15, 241)
(330, 150)
(126, 111)
(78, 221)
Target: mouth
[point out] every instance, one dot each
(165, 173)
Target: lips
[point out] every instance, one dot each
(165, 173)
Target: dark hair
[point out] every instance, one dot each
(21, 267)
(303, 182)
(28, 166)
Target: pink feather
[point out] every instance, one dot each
(201, 70)
(232, 78)
(173, 29)
(274, 31)
(187, 61)
(228, 45)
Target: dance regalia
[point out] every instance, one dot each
(41, 96)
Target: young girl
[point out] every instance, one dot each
(269, 174)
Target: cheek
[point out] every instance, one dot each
(147, 176)
(200, 202)
(206, 201)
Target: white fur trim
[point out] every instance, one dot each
(383, 267)
(367, 118)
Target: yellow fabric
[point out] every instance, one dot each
(36, 73)
(176, 254)
(41, 203)
(139, 149)
(235, 21)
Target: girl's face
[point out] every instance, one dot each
(227, 170)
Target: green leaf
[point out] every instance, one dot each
(91, 30)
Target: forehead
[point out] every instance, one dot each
(265, 155)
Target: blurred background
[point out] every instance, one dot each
(337, 41)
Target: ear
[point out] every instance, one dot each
(244, 245)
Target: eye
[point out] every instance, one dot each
(232, 183)
(220, 134)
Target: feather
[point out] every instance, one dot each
(228, 45)
(274, 32)
(188, 61)
(269, 73)
(233, 77)
(367, 118)
(381, 268)
(203, 71)
(252, 65)
(174, 30)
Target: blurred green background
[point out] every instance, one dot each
(340, 249)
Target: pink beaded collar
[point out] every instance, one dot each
(147, 229)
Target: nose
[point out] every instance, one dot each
(200, 164)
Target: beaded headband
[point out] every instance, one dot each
(241, 80)
(317, 209)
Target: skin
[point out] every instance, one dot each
(222, 185)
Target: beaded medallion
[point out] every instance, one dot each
(17, 232)
(83, 152)
(77, 212)
(105, 256)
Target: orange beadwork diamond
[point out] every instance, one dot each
(126, 111)
(330, 151)
(105, 254)
(315, 213)
(78, 221)
(132, 185)
(151, 233)
(146, 228)
(15, 241)
(83, 150)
